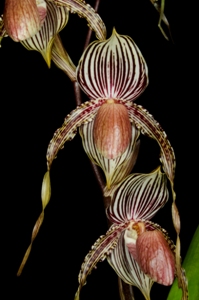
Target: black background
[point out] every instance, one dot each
(34, 102)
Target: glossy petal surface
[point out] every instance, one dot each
(149, 126)
(139, 197)
(84, 10)
(116, 169)
(112, 129)
(128, 269)
(81, 115)
(56, 19)
(99, 251)
(23, 19)
(113, 69)
(155, 258)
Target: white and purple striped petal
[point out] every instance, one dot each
(128, 269)
(113, 69)
(99, 251)
(86, 11)
(139, 197)
(56, 19)
(81, 115)
(150, 127)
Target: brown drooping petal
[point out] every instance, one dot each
(112, 129)
(155, 257)
(86, 11)
(99, 251)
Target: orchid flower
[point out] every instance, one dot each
(30, 22)
(23, 19)
(112, 73)
(139, 251)
(36, 23)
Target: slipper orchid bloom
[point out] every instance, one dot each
(23, 19)
(30, 22)
(36, 23)
(139, 251)
(112, 73)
